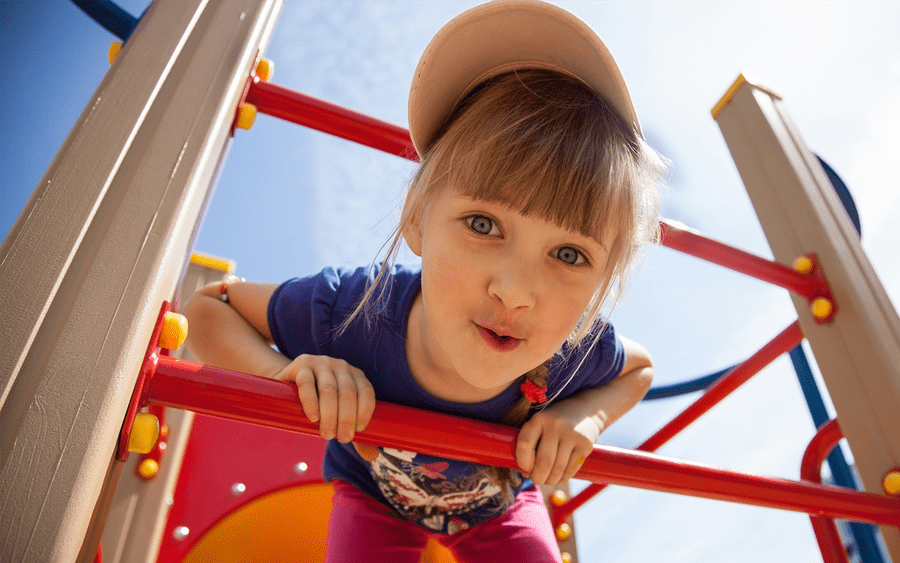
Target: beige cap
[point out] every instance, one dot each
(501, 36)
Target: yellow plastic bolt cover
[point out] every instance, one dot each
(144, 433)
(566, 557)
(821, 308)
(114, 49)
(174, 331)
(148, 469)
(246, 116)
(803, 264)
(563, 532)
(559, 497)
(113, 52)
(891, 482)
(265, 68)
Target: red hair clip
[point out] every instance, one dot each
(533, 392)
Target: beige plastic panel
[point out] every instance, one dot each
(858, 352)
(98, 248)
(139, 509)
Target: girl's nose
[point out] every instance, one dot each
(514, 284)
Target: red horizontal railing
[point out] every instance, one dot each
(205, 389)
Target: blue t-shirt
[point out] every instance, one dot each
(442, 495)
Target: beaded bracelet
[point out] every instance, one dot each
(223, 289)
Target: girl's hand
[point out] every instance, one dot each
(556, 441)
(333, 393)
(552, 445)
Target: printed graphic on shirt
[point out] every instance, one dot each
(441, 495)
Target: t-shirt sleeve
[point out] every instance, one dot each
(301, 318)
(587, 366)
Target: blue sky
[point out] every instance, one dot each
(291, 201)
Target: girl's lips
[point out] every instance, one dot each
(497, 342)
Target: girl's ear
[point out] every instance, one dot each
(412, 234)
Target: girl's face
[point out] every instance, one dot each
(501, 292)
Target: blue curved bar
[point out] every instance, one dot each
(113, 18)
(675, 389)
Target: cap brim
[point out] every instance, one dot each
(501, 36)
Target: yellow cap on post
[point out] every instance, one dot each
(558, 498)
(114, 49)
(174, 331)
(891, 482)
(246, 116)
(803, 264)
(144, 433)
(265, 68)
(821, 308)
(148, 469)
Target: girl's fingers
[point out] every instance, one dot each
(333, 393)
(526, 444)
(559, 464)
(545, 459)
(365, 397)
(346, 403)
(306, 389)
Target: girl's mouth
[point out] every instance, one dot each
(498, 342)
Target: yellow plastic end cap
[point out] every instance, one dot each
(559, 497)
(213, 262)
(144, 433)
(265, 68)
(148, 469)
(803, 264)
(563, 532)
(891, 482)
(566, 557)
(821, 308)
(246, 116)
(114, 49)
(174, 331)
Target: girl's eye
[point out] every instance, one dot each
(481, 224)
(569, 255)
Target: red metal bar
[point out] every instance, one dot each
(296, 107)
(192, 386)
(819, 447)
(785, 341)
(301, 109)
(700, 246)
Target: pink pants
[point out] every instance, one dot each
(363, 529)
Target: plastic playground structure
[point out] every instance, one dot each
(89, 373)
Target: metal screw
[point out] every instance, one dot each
(300, 468)
(238, 488)
(181, 532)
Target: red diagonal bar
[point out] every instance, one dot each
(700, 246)
(785, 341)
(192, 386)
(293, 106)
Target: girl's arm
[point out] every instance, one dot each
(235, 336)
(554, 442)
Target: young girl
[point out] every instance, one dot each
(535, 191)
